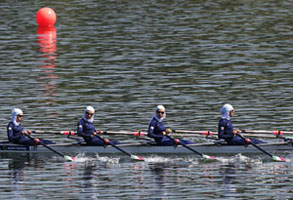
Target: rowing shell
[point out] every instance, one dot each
(138, 148)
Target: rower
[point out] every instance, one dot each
(226, 130)
(86, 129)
(15, 132)
(158, 131)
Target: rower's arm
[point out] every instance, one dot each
(80, 131)
(151, 130)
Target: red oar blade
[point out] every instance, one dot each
(278, 159)
(138, 158)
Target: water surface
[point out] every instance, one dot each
(126, 57)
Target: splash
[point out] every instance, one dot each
(106, 159)
(159, 159)
(239, 158)
(289, 158)
(82, 158)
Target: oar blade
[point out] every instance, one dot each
(68, 158)
(208, 157)
(278, 159)
(138, 158)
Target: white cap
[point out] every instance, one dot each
(225, 111)
(226, 108)
(160, 107)
(17, 111)
(90, 108)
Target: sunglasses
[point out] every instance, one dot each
(90, 114)
(19, 115)
(161, 112)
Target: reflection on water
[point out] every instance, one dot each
(16, 166)
(159, 179)
(15, 176)
(172, 178)
(47, 42)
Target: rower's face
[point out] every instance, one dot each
(89, 114)
(19, 117)
(160, 113)
(231, 113)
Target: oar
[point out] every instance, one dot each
(194, 132)
(134, 157)
(140, 134)
(275, 158)
(187, 133)
(70, 133)
(279, 134)
(191, 149)
(266, 131)
(55, 132)
(67, 158)
(137, 133)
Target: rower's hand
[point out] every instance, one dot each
(99, 132)
(93, 134)
(37, 140)
(236, 131)
(247, 141)
(106, 141)
(23, 132)
(168, 130)
(164, 133)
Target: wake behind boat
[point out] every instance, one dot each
(145, 148)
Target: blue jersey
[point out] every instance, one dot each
(225, 129)
(85, 129)
(156, 129)
(15, 135)
(14, 132)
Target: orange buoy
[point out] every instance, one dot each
(46, 17)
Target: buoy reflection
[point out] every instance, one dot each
(47, 44)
